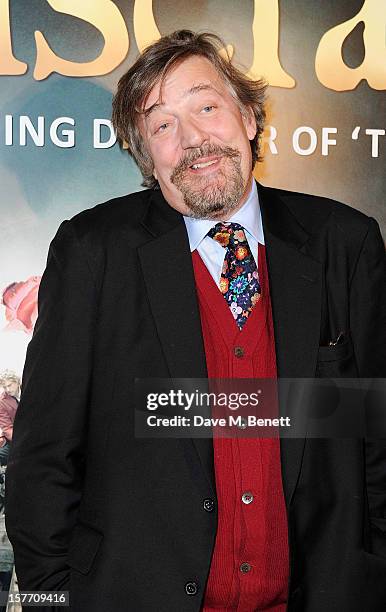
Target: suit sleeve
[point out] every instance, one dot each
(45, 468)
(368, 305)
(368, 328)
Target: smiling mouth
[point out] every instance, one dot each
(207, 162)
(204, 163)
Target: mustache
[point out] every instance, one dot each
(205, 151)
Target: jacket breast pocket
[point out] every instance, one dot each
(337, 360)
(83, 548)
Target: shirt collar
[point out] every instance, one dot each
(248, 216)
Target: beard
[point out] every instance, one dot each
(212, 196)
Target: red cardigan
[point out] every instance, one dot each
(249, 568)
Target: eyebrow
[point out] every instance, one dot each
(193, 90)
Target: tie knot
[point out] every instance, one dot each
(229, 235)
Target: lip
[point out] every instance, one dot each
(203, 160)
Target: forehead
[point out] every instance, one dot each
(179, 81)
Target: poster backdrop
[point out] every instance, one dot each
(60, 61)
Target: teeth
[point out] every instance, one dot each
(204, 164)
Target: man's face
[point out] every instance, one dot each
(11, 387)
(199, 141)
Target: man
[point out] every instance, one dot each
(11, 383)
(131, 289)
(9, 394)
(9, 388)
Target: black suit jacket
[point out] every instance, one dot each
(120, 521)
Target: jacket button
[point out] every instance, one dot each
(208, 504)
(191, 588)
(238, 351)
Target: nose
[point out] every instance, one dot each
(192, 134)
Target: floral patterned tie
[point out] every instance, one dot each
(239, 281)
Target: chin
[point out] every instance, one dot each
(199, 208)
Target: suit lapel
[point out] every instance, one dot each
(168, 272)
(295, 286)
(295, 281)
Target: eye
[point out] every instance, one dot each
(161, 128)
(208, 108)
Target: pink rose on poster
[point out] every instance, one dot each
(21, 304)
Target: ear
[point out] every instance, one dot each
(249, 121)
(155, 174)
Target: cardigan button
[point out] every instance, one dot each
(245, 568)
(243, 423)
(238, 351)
(247, 497)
